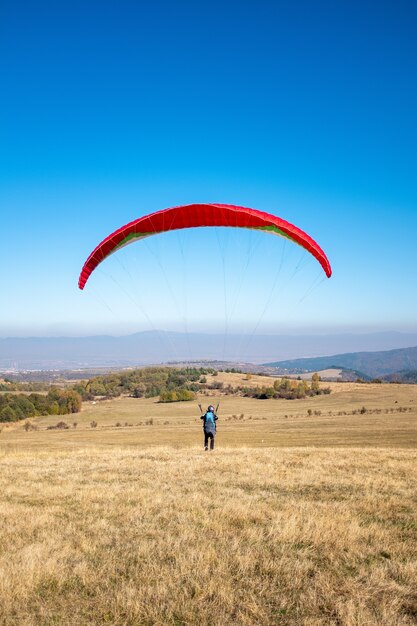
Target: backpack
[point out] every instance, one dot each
(209, 421)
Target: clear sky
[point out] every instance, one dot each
(111, 110)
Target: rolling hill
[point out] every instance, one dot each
(400, 362)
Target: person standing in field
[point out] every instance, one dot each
(209, 425)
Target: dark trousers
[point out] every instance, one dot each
(208, 436)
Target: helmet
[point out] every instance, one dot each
(211, 408)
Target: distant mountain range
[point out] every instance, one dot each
(400, 364)
(42, 353)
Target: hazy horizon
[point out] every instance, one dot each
(152, 347)
(292, 332)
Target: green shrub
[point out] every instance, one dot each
(7, 414)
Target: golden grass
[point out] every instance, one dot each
(240, 536)
(297, 520)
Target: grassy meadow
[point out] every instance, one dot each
(305, 514)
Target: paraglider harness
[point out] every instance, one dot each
(209, 419)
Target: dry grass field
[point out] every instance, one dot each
(305, 514)
(335, 420)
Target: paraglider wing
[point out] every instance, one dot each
(198, 215)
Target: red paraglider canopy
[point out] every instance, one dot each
(198, 215)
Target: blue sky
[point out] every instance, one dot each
(109, 111)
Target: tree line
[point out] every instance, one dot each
(170, 384)
(18, 406)
(287, 388)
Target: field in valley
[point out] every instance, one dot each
(305, 514)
